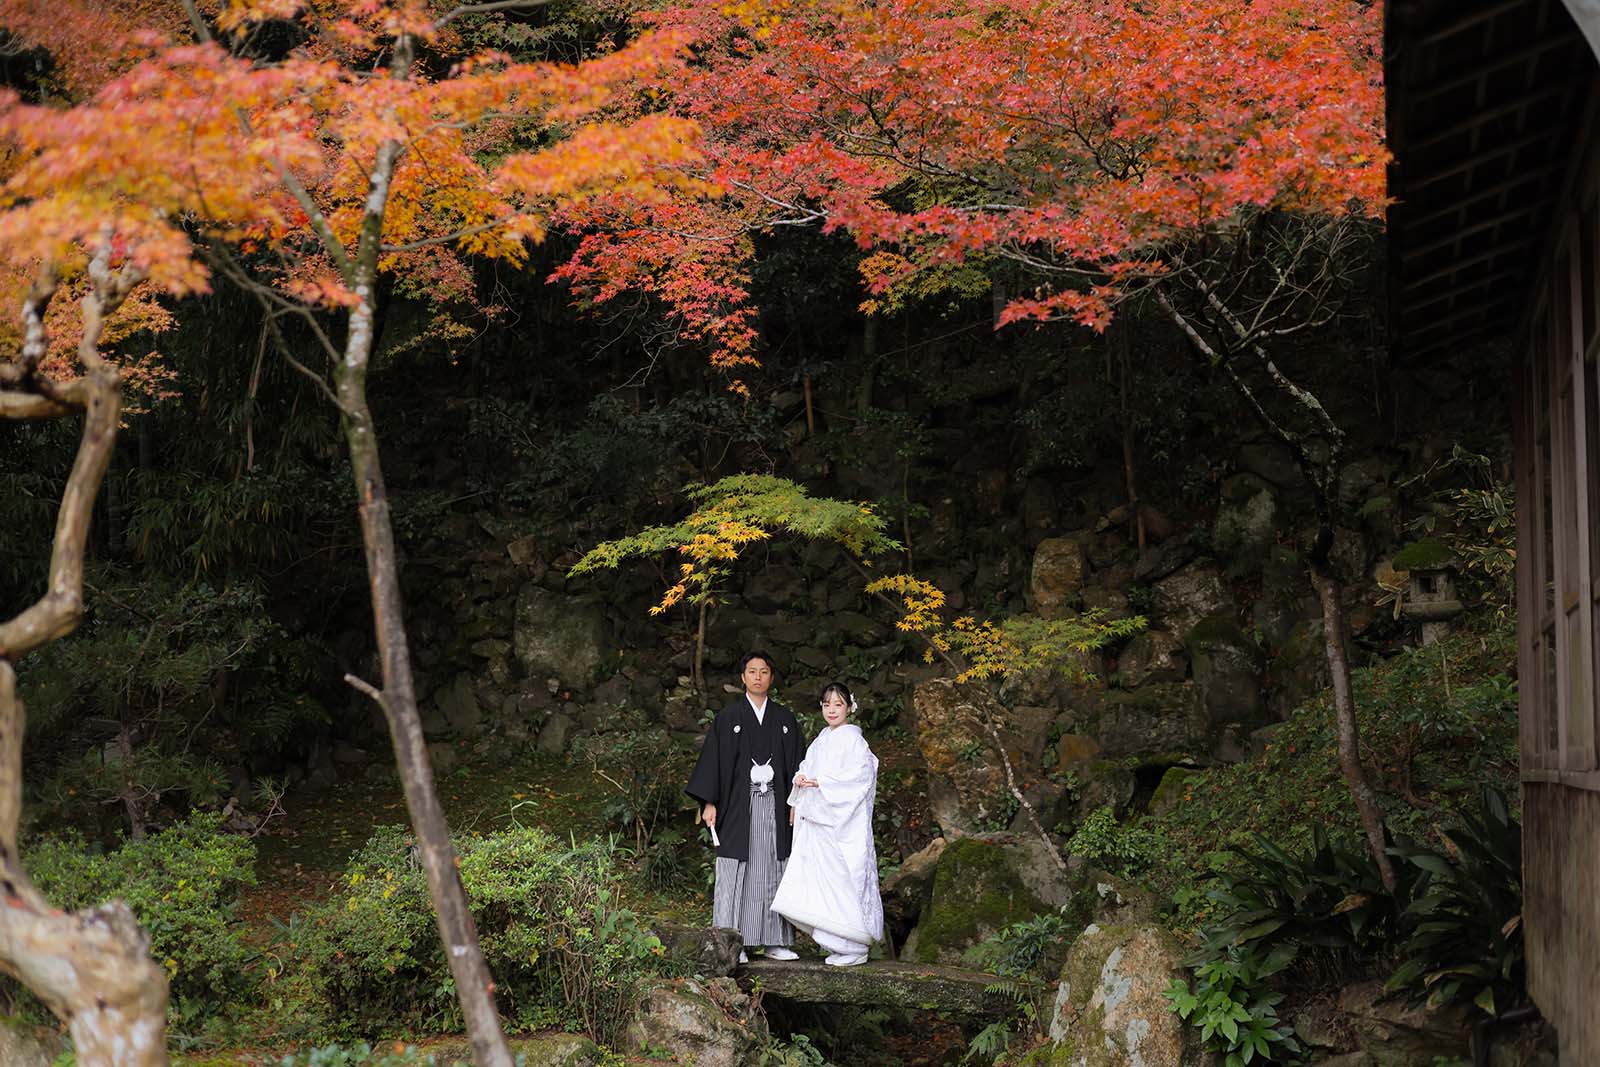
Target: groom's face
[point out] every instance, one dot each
(757, 677)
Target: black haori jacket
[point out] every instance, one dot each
(722, 775)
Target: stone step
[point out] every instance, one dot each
(882, 983)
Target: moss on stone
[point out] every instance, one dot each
(1421, 555)
(1173, 784)
(976, 891)
(1219, 630)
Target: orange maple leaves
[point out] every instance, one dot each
(1075, 140)
(193, 144)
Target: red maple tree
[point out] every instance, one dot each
(307, 178)
(1219, 159)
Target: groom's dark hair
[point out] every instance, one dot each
(763, 657)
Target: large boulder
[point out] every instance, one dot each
(1059, 564)
(1227, 671)
(459, 706)
(982, 884)
(559, 636)
(966, 780)
(1395, 1034)
(1110, 1007)
(907, 891)
(1190, 594)
(1299, 671)
(1153, 656)
(710, 1024)
(1159, 720)
(776, 588)
(1286, 598)
(1247, 522)
(712, 951)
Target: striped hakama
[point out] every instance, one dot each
(743, 897)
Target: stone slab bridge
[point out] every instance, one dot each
(880, 983)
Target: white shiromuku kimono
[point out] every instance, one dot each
(830, 884)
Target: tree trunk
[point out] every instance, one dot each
(698, 675)
(1322, 475)
(399, 702)
(92, 968)
(398, 698)
(1329, 589)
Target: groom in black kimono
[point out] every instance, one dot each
(742, 779)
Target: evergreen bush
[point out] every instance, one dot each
(183, 885)
(563, 950)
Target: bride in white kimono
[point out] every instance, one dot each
(830, 884)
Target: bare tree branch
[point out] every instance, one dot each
(492, 5)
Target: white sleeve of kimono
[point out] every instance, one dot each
(797, 794)
(841, 787)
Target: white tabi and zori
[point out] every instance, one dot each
(830, 887)
(742, 779)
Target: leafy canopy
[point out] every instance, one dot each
(203, 143)
(1076, 145)
(732, 513)
(989, 649)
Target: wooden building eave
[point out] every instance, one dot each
(1485, 99)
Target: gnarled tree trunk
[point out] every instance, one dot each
(91, 968)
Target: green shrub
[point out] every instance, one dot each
(562, 950)
(1466, 939)
(182, 883)
(1423, 738)
(1120, 849)
(1020, 947)
(1330, 897)
(1235, 1012)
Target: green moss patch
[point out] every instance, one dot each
(977, 890)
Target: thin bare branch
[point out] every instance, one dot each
(485, 8)
(364, 687)
(28, 406)
(202, 32)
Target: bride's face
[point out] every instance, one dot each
(835, 710)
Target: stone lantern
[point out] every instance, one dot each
(1431, 587)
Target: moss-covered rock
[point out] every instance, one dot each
(1110, 1007)
(714, 1024)
(1246, 526)
(1156, 718)
(1299, 671)
(882, 983)
(1227, 671)
(981, 885)
(1153, 656)
(25, 1045)
(1175, 782)
(1422, 555)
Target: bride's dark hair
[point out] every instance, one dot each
(840, 690)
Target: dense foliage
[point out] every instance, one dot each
(183, 883)
(564, 950)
